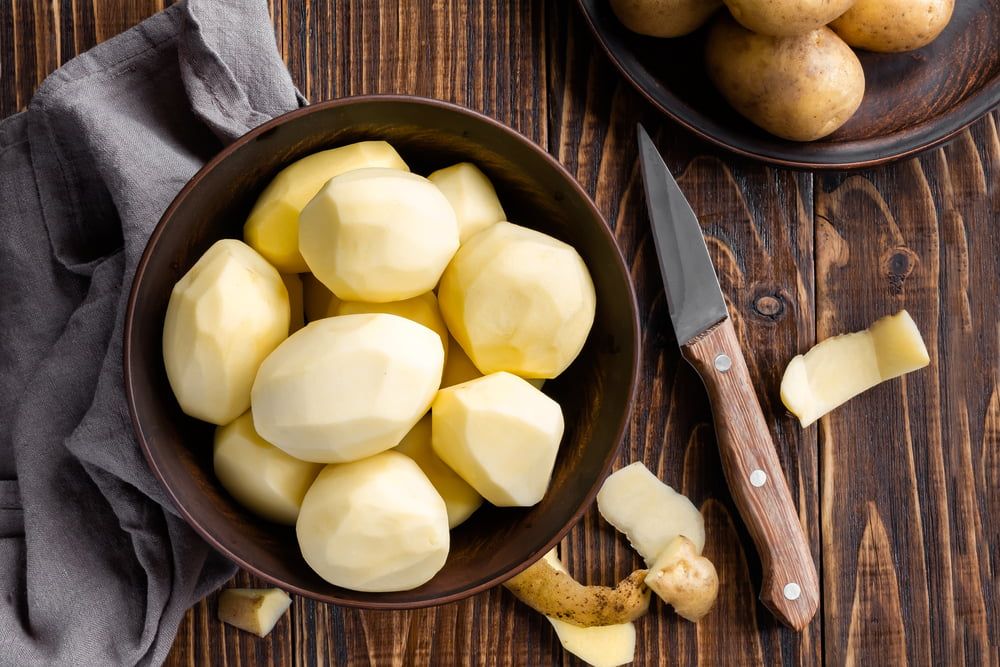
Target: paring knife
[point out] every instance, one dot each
(708, 341)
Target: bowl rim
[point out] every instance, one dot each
(194, 181)
(898, 145)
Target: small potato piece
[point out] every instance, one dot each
(650, 513)
(501, 435)
(599, 645)
(374, 525)
(664, 18)
(471, 195)
(839, 368)
(786, 18)
(224, 316)
(319, 301)
(261, 477)
(255, 610)
(892, 26)
(551, 591)
(684, 580)
(378, 235)
(293, 283)
(460, 498)
(422, 309)
(799, 88)
(273, 226)
(518, 300)
(347, 387)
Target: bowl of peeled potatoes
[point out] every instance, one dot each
(381, 351)
(819, 84)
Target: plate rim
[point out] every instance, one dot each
(907, 143)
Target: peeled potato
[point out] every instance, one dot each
(892, 26)
(224, 316)
(261, 477)
(800, 88)
(347, 387)
(378, 235)
(293, 283)
(471, 195)
(664, 18)
(374, 525)
(501, 435)
(319, 302)
(460, 498)
(839, 368)
(650, 513)
(422, 309)
(785, 18)
(255, 610)
(518, 300)
(273, 226)
(458, 368)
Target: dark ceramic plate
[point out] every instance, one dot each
(912, 102)
(595, 392)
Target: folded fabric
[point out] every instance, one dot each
(96, 568)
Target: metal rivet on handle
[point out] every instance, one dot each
(723, 363)
(758, 477)
(792, 591)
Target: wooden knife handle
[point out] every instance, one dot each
(790, 587)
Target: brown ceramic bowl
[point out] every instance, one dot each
(595, 392)
(913, 100)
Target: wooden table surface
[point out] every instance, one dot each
(899, 491)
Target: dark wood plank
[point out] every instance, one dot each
(759, 224)
(909, 470)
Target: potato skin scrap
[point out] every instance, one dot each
(685, 580)
(553, 593)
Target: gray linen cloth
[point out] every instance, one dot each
(96, 568)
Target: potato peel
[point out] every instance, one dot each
(553, 593)
(685, 580)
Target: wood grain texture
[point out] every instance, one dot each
(909, 512)
(898, 490)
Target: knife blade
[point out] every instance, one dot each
(708, 341)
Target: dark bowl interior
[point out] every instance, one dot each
(913, 100)
(595, 392)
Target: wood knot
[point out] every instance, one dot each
(770, 305)
(897, 264)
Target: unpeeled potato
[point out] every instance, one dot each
(891, 26)
(784, 18)
(664, 18)
(800, 88)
